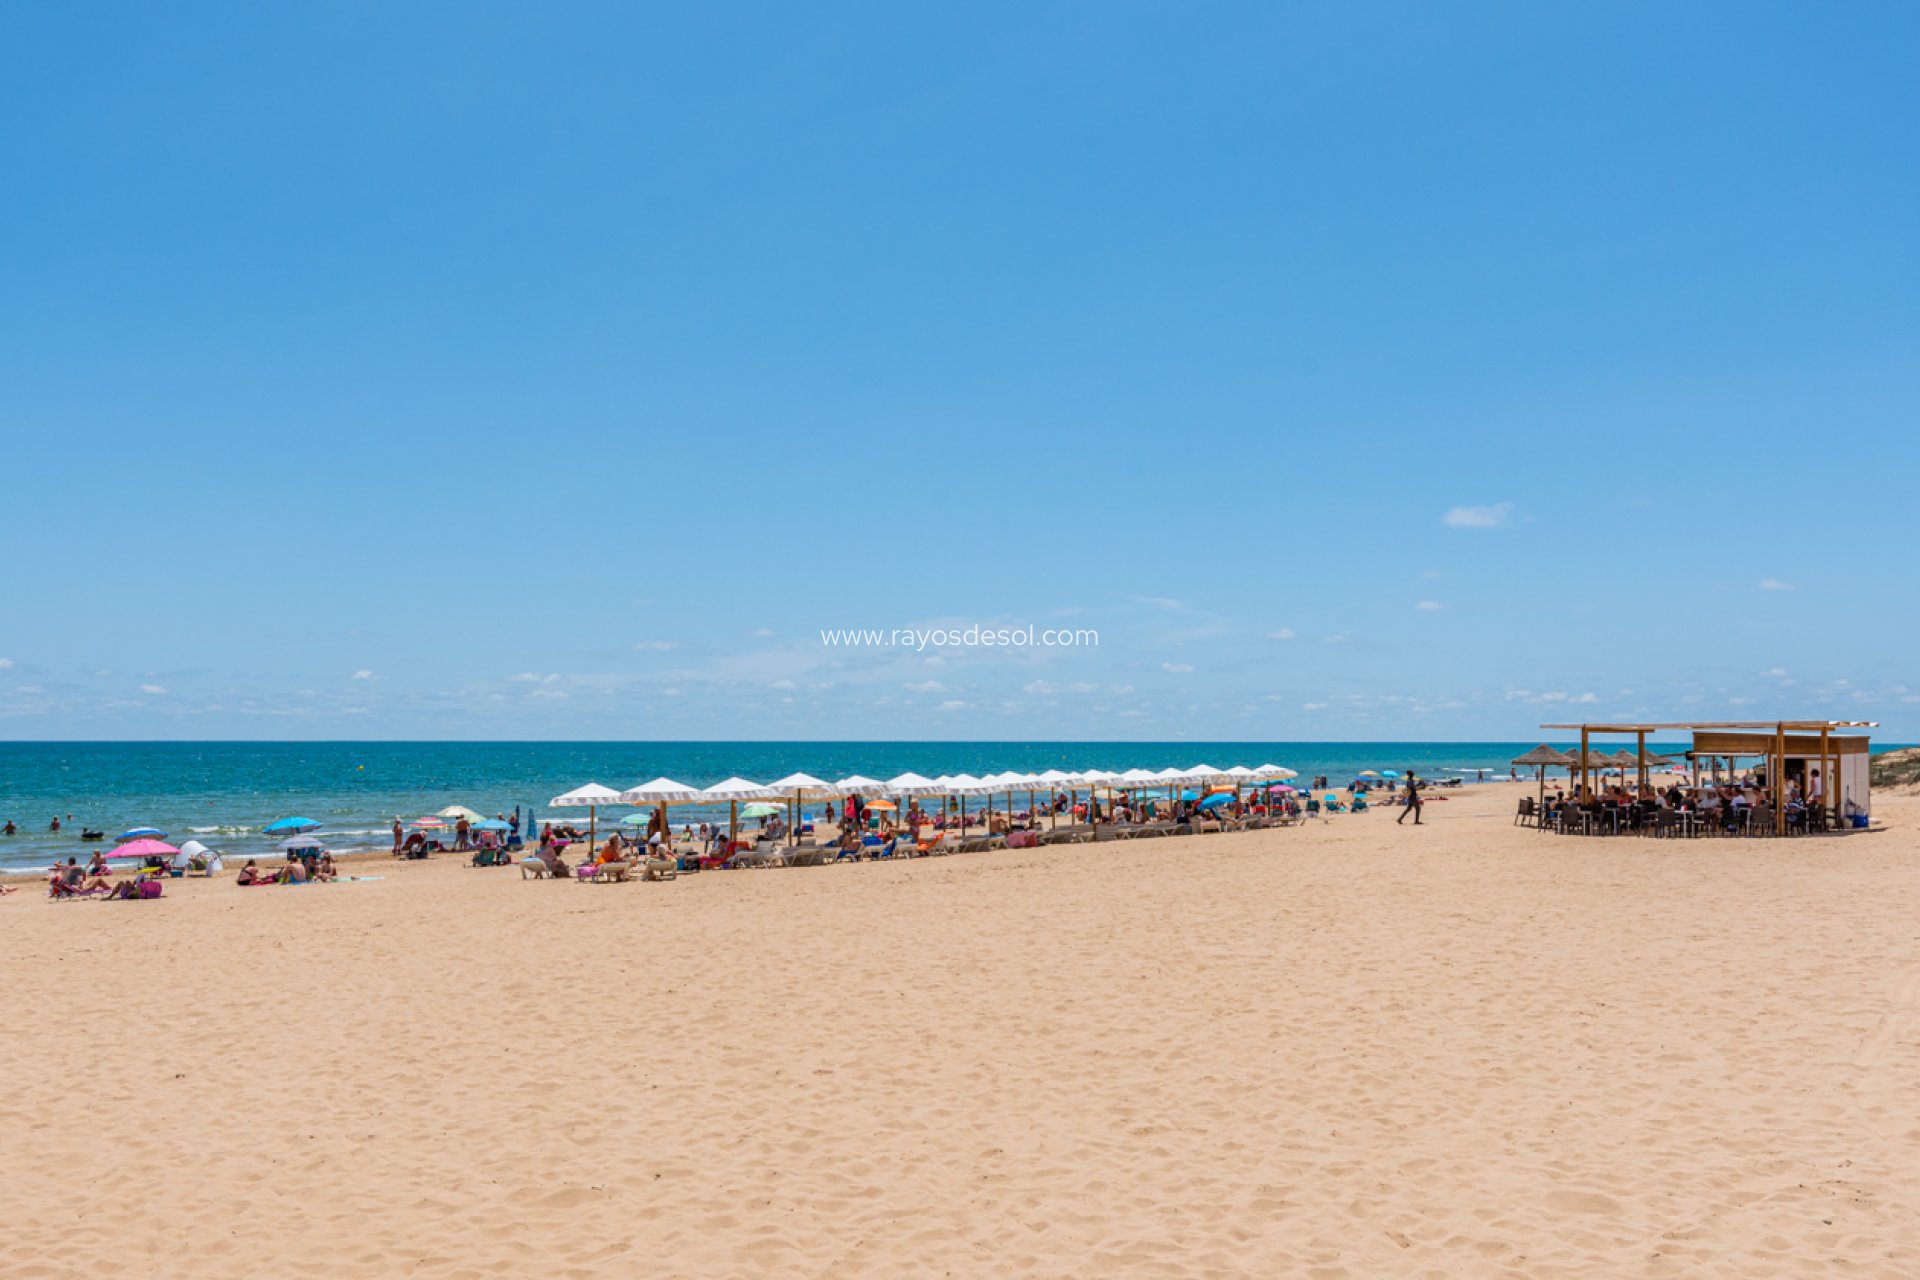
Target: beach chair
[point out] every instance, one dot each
(610, 872)
(943, 843)
(660, 869)
(534, 869)
(1524, 816)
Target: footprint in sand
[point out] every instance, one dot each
(1905, 997)
(1581, 1202)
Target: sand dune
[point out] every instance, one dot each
(1352, 1050)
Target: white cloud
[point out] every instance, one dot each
(1083, 686)
(953, 704)
(655, 646)
(1586, 697)
(152, 688)
(1775, 672)
(1429, 606)
(363, 674)
(763, 632)
(924, 686)
(1122, 688)
(1774, 584)
(1478, 517)
(1039, 686)
(1284, 633)
(1338, 637)
(1176, 667)
(783, 684)
(6, 664)
(534, 677)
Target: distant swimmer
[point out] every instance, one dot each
(55, 826)
(9, 826)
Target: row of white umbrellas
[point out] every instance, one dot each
(807, 787)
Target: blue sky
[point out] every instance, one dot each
(1356, 371)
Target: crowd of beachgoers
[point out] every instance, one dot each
(854, 820)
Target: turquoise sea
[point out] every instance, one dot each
(223, 793)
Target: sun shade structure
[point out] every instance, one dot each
(1543, 757)
(733, 791)
(1825, 755)
(458, 811)
(660, 793)
(799, 788)
(144, 848)
(589, 797)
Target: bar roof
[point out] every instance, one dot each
(1801, 726)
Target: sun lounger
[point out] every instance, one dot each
(610, 872)
(661, 869)
(534, 869)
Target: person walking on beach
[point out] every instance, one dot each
(398, 836)
(1413, 800)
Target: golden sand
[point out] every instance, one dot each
(1348, 1050)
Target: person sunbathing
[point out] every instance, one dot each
(59, 886)
(250, 874)
(556, 865)
(326, 870)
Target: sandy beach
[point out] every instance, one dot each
(1347, 1050)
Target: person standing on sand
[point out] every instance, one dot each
(397, 837)
(1413, 800)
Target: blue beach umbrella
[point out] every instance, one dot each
(1388, 773)
(1217, 799)
(141, 833)
(491, 824)
(289, 826)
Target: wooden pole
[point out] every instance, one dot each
(1780, 779)
(1826, 775)
(1585, 791)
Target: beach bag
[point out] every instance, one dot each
(149, 889)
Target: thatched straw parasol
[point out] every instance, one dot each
(1540, 757)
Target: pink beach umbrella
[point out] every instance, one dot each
(144, 849)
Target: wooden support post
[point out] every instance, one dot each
(1780, 779)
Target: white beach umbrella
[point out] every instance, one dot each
(1207, 773)
(590, 798)
(657, 795)
(1006, 781)
(909, 785)
(1240, 773)
(858, 782)
(1278, 772)
(1055, 781)
(1139, 778)
(733, 791)
(964, 785)
(799, 787)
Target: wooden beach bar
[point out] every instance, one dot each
(1826, 761)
